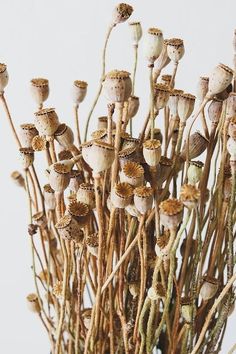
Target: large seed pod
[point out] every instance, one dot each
(143, 199)
(40, 90)
(117, 86)
(171, 213)
(27, 133)
(68, 227)
(197, 145)
(64, 136)
(46, 121)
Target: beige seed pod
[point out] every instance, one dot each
(171, 213)
(157, 292)
(175, 49)
(186, 309)
(40, 90)
(153, 44)
(18, 179)
(173, 102)
(121, 13)
(209, 288)
(117, 86)
(59, 177)
(64, 136)
(76, 179)
(78, 92)
(143, 199)
(185, 106)
(219, 79)
(26, 134)
(230, 106)
(134, 288)
(49, 197)
(86, 194)
(79, 211)
(39, 143)
(231, 147)
(161, 95)
(27, 157)
(3, 77)
(161, 245)
(33, 303)
(189, 195)
(121, 195)
(152, 152)
(100, 134)
(164, 169)
(102, 124)
(214, 110)
(132, 173)
(162, 60)
(128, 154)
(40, 219)
(68, 227)
(92, 242)
(130, 142)
(202, 88)
(136, 32)
(99, 156)
(46, 121)
(232, 128)
(194, 172)
(197, 145)
(133, 106)
(86, 316)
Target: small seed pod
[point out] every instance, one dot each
(132, 173)
(231, 106)
(49, 197)
(128, 154)
(214, 111)
(132, 210)
(121, 195)
(64, 136)
(86, 316)
(68, 227)
(189, 195)
(136, 32)
(157, 292)
(197, 145)
(219, 79)
(232, 128)
(186, 309)
(161, 95)
(194, 172)
(157, 135)
(130, 142)
(175, 49)
(231, 147)
(102, 124)
(162, 61)
(27, 157)
(78, 92)
(86, 194)
(133, 106)
(171, 213)
(39, 143)
(3, 77)
(202, 88)
(185, 106)
(117, 86)
(39, 219)
(161, 245)
(40, 90)
(18, 179)
(59, 177)
(134, 288)
(166, 79)
(33, 303)
(46, 121)
(76, 179)
(164, 170)
(209, 288)
(27, 133)
(153, 44)
(79, 211)
(143, 199)
(152, 152)
(92, 242)
(99, 156)
(121, 13)
(173, 102)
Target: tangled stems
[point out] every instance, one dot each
(134, 76)
(231, 223)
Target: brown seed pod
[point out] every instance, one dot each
(3, 77)
(175, 49)
(64, 155)
(130, 142)
(46, 121)
(164, 169)
(157, 135)
(117, 86)
(209, 288)
(153, 44)
(162, 60)
(49, 197)
(39, 143)
(121, 195)
(57, 289)
(64, 136)
(33, 303)
(171, 213)
(132, 173)
(121, 13)
(80, 211)
(40, 219)
(18, 179)
(157, 292)
(166, 79)
(59, 177)
(128, 154)
(68, 227)
(26, 134)
(161, 95)
(214, 110)
(173, 102)
(189, 195)
(143, 199)
(152, 152)
(202, 88)
(27, 157)
(185, 106)
(92, 242)
(86, 194)
(133, 106)
(197, 145)
(40, 90)
(219, 79)
(78, 92)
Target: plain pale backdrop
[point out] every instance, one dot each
(61, 40)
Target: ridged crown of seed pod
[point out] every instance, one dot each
(219, 79)
(26, 134)
(64, 136)
(133, 106)
(214, 110)
(117, 86)
(197, 145)
(166, 79)
(98, 155)
(143, 198)
(161, 95)
(39, 219)
(33, 303)
(68, 227)
(46, 121)
(175, 49)
(209, 288)
(202, 88)
(173, 101)
(161, 245)
(39, 88)
(130, 142)
(64, 155)
(128, 154)
(80, 211)
(132, 173)
(232, 128)
(86, 194)
(153, 44)
(231, 147)
(189, 195)
(27, 157)
(92, 243)
(100, 134)
(39, 143)
(18, 178)
(194, 172)
(136, 32)
(171, 213)
(49, 197)
(152, 152)
(185, 106)
(3, 77)
(162, 61)
(121, 13)
(231, 105)
(78, 92)
(157, 292)
(121, 195)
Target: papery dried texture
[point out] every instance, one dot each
(197, 145)
(49, 197)
(46, 121)
(26, 134)
(166, 79)
(92, 242)
(231, 147)
(161, 95)
(132, 173)
(86, 194)
(152, 152)
(128, 154)
(39, 143)
(161, 245)
(99, 156)
(202, 88)
(59, 177)
(209, 288)
(64, 136)
(136, 32)
(40, 219)
(33, 303)
(130, 143)
(40, 90)
(186, 309)
(186, 103)
(232, 128)
(27, 157)
(171, 213)
(214, 111)
(189, 195)
(79, 211)
(121, 195)
(3, 77)
(219, 79)
(163, 171)
(133, 106)
(175, 49)
(18, 179)
(153, 44)
(68, 227)
(86, 316)
(78, 92)
(194, 172)
(162, 61)
(117, 86)
(76, 178)
(100, 134)
(121, 13)
(230, 106)
(102, 123)
(157, 292)
(143, 198)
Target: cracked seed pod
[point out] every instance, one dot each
(3, 77)
(209, 288)
(161, 95)
(230, 106)
(39, 143)
(232, 128)
(39, 219)
(49, 197)
(157, 292)
(76, 179)
(117, 86)
(173, 102)
(86, 316)
(161, 245)
(33, 303)
(153, 44)
(162, 61)
(26, 134)
(121, 195)
(18, 179)
(40, 90)
(92, 243)
(79, 211)
(46, 121)
(166, 79)
(194, 172)
(185, 106)
(165, 166)
(59, 176)
(171, 213)
(128, 154)
(152, 152)
(186, 309)
(64, 136)
(231, 147)
(132, 173)
(68, 227)
(130, 142)
(202, 88)
(136, 32)
(175, 49)
(214, 110)
(102, 124)
(189, 195)
(27, 157)
(121, 13)
(86, 194)
(133, 106)
(143, 199)
(197, 145)
(78, 92)
(99, 156)
(134, 288)
(219, 79)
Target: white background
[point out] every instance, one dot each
(61, 40)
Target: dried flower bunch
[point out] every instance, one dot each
(132, 237)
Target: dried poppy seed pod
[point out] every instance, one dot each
(132, 173)
(39, 219)
(232, 128)
(189, 195)
(194, 172)
(100, 134)
(161, 95)
(185, 106)
(202, 88)
(152, 152)
(59, 177)
(143, 199)
(162, 61)
(166, 79)
(173, 102)
(40, 90)
(130, 142)
(3, 77)
(117, 86)
(99, 156)
(39, 143)
(33, 303)
(78, 92)
(164, 170)
(64, 136)
(157, 292)
(231, 147)
(219, 79)
(76, 179)
(157, 135)
(209, 288)
(171, 213)
(49, 197)
(103, 123)
(18, 179)
(197, 145)
(153, 44)
(86, 194)
(26, 134)
(161, 245)
(175, 49)
(79, 211)
(136, 32)
(121, 195)
(231, 106)
(121, 13)
(214, 111)
(27, 157)
(68, 227)
(133, 106)
(186, 309)
(92, 242)
(86, 316)
(128, 154)
(46, 121)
